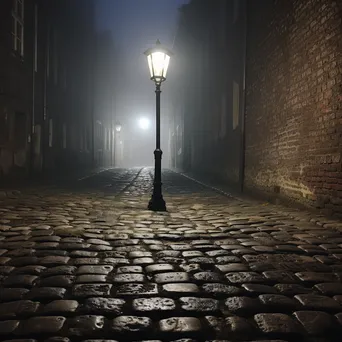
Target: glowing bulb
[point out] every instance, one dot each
(144, 123)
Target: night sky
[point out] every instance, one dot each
(136, 25)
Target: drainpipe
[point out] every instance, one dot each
(34, 64)
(92, 103)
(243, 106)
(44, 125)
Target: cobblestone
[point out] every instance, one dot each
(129, 278)
(18, 308)
(137, 289)
(171, 277)
(103, 306)
(8, 327)
(154, 304)
(94, 265)
(180, 288)
(234, 326)
(277, 324)
(316, 322)
(23, 280)
(180, 325)
(280, 303)
(243, 305)
(41, 325)
(12, 294)
(317, 302)
(61, 307)
(159, 268)
(90, 290)
(131, 324)
(46, 293)
(86, 325)
(199, 304)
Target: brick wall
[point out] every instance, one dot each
(293, 102)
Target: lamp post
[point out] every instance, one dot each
(158, 61)
(118, 128)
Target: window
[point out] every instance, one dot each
(50, 132)
(64, 77)
(236, 11)
(35, 38)
(223, 118)
(55, 57)
(64, 132)
(48, 53)
(108, 139)
(37, 139)
(18, 26)
(88, 139)
(4, 126)
(20, 131)
(105, 139)
(236, 104)
(82, 139)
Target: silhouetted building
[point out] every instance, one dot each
(207, 81)
(46, 84)
(104, 109)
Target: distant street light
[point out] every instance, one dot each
(117, 149)
(158, 61)
(144, 123)
(118, 127)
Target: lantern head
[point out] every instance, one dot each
(158, 59)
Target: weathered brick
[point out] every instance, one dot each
(307, 182)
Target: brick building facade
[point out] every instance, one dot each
(293, 102)
(281, 135)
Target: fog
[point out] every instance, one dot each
(135, 25)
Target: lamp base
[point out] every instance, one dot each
(157, 204)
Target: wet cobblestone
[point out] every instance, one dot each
(87, 262)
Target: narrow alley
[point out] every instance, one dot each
(83, 260)
(170, 171)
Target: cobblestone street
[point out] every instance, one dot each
(85, 261)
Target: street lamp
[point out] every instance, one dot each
(118, 127)
(117, 148)
(158, 61)
(144, 123)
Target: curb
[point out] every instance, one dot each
(9, 194)
(218, 190)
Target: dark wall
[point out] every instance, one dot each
(15, 92)
(293, 108)
(46, 106)
(104, 104)
(207, 67)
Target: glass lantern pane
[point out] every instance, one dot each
(149, 60)
(158, 62)
(166, 65)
